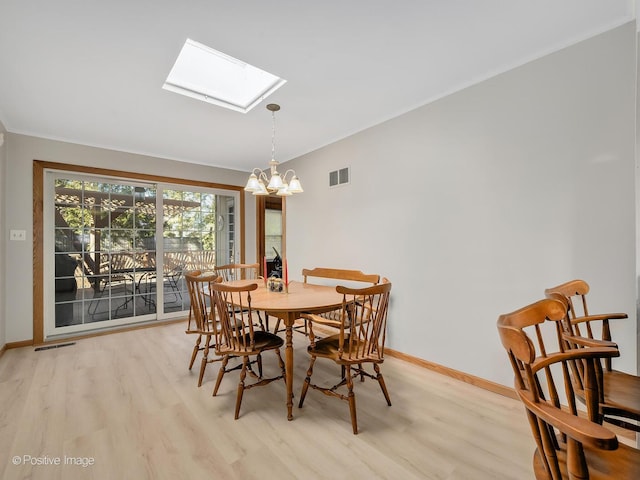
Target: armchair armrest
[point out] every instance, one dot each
(580, 429)
(588, 342)
(592, 352)
(599, 317)
(604, 318)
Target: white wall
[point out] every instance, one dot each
(476, 203)
(22, 150)
(638, 193)
(3, 236)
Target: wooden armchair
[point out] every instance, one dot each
(362, 331)
(581, 322)
(620, 391)
(570, 444)
(239, 337)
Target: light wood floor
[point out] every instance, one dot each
(128, 402)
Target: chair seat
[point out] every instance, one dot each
(329, 348)
(622, 390)
(263, 341)
(624, 461)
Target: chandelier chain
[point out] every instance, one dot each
(273, 137)
(285, 184)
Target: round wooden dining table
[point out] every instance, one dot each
(289, 306)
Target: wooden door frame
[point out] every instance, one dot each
(262, 203)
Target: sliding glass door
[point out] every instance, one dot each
(198, 232)
(101, 252)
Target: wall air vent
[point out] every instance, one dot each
(339, 177)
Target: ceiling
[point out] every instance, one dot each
(91, 72)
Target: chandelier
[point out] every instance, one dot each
(260, 183)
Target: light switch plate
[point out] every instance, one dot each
(18, 235)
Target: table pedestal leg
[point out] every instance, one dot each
(289, 321)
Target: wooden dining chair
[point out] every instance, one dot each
(570, 443)
(242, 271)
(192, 327)
(238, 336)
(202, 320)
(238, 271)
(360, 341)
(335, 276)
(620, 391)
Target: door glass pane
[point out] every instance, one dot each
(104, 249)
(272, 233)
(226, 230)
(189, 227)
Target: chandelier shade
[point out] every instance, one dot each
(260, 183)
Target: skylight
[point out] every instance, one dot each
(211, 76)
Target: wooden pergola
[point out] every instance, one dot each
(116, 204)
